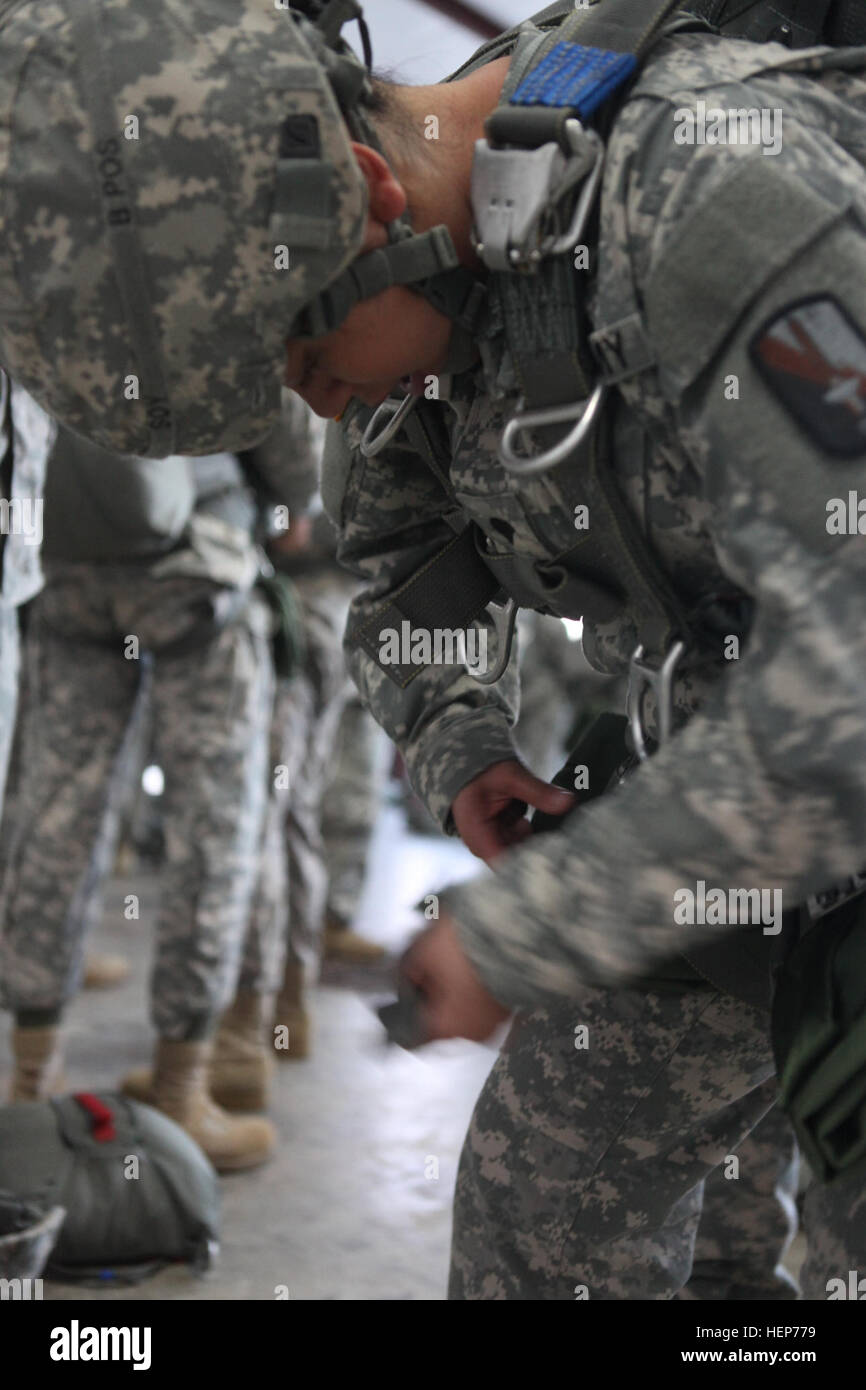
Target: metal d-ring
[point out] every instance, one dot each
(373, 443)
(585, 411)
(504, 618)
(659, 678)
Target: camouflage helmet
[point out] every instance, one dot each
(176, 183)
(178, 196)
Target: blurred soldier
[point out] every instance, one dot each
(294, 886)
(352, 801)
(157, 559)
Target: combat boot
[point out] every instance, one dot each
(241, 1066)
(38, 1063)
(180, 1091)
(343, 944)
(291, 1033)
(104, 971)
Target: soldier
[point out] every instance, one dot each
(612, 1110)
(149, 564)
(684, 315)
(350, 807)
(301, 880)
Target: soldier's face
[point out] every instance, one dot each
(395, 338)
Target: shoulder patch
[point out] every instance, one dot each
(812, 355)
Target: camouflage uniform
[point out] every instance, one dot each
(27, 435)
(324, 771)
(211, 691)
(292, 887)
(351, 805)
(586, 1167)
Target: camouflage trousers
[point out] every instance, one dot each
(626, 1146)
(211, 704)
(9, 659)
(351, 805)
(292, 887)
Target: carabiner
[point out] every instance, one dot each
(504, 617)
(660, 678)
(585, 411)
(586, 198)
(373, 443)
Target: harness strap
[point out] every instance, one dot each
(447, 594)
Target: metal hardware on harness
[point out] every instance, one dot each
(819, 904)
(640, 675)
(513, 189)
(373, 443)
(504, 617)
(584, 411)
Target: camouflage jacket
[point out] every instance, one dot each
(731, 466)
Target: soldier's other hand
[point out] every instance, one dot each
(295, 539)
(456, 1003)
(489, 812)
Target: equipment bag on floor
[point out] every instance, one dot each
(137, 1190)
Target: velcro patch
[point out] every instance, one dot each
(813, 357)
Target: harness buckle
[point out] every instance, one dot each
(819, 904)
(584, 412)
(377, 435)
(504, 617)
(642, 674)
(515, 190)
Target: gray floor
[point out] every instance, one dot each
(349, 1208)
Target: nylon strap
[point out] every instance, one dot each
(404, 262)
(451, 590)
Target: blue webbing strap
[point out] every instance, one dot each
(592, 53)
(574, 76)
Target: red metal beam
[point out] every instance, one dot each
(462, 12)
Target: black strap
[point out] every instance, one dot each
(447, 593)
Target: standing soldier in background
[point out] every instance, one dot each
(300, 878)
(156, 560)
(350, 809)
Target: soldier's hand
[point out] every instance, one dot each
(295, 539)
(489, 812)
(456, 1003)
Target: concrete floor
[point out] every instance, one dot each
(346, 1210)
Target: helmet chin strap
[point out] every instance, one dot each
(425, 262)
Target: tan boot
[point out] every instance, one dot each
(241, 1065)
(180, 1091)
(104, 971)
(343, 944)
(240, 1068)
(138, 1085)
(38, 1063)
(291, 1034)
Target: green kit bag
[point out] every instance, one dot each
(137, 1191)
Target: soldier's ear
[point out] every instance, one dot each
(387, 195)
